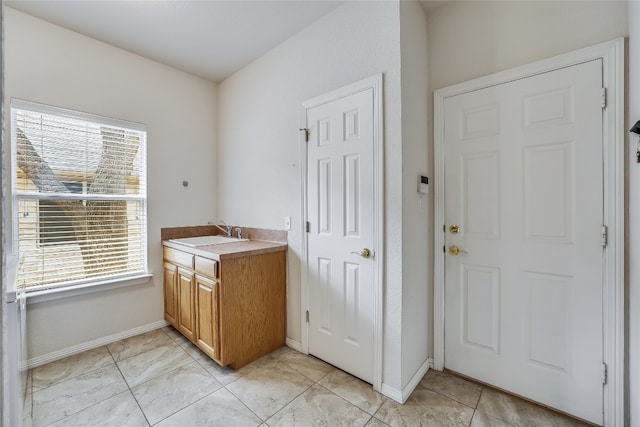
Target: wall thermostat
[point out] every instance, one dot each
(423, 184)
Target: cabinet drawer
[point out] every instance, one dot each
(178, 257)
(206, 267)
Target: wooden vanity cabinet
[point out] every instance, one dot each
(207, 313)
(171, 293)
(234, 310)
(180, 292)
(187, 303)
(252, 307)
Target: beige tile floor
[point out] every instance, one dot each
(161, 379)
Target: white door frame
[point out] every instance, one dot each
(612, 55)
(375, 83)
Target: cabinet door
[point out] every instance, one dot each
(186, 303)
(171, 293)
(207, 315)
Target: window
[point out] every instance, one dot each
(49, 218)
(79, 197)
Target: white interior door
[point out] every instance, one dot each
(340, 194)
(524, 185)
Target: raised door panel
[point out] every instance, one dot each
(480, 198)
(548, 192)
(186, 303)
(207, 315)
(481, 308)
(171, 293)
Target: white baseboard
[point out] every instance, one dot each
(401, 396)
(296, 345)
(415, 380)
(391, 392)
(89, 345)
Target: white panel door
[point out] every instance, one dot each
(340, 212)
(523, 183)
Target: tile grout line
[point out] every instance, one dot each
(285, 405)
(288, 403)
(151, 379)
(182, 409)
(206, 370)
(129, 387)
(223, 386)
(454, 399)
(194, 360)
(67, 378)
(143, 352)
(317, 382)
(290, 363)
(83, 409)
(353, 404)
(482, 387)
(244, 404)
(476, 410)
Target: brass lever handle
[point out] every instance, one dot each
(365, 253)
(454, 250)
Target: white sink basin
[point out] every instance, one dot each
(194, 242)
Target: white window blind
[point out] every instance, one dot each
(79, 197)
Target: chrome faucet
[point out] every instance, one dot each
(228, 230)
(239, 232)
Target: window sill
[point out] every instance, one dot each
(44, 295)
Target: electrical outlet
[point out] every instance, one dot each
(287, 223)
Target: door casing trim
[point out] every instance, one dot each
(374, 82)
(612, 55)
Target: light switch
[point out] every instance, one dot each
(423, 184)
(287, 223)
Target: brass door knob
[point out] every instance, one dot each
(364, 253)
(454, 250)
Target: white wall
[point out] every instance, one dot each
(633, 224)
(51, 65)
(259, 142)
(417, 276)
(476, 38)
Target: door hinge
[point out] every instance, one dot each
(308, 226)
(604, 98)
(603, 373)
(604, 236)
(444, 248)
(306, 134)
(306, 316)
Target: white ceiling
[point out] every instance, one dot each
(211, 39)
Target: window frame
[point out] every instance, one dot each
(78, 287)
